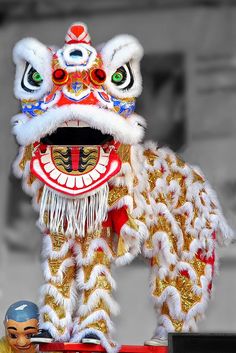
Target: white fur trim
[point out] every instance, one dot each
(97, 295)
(96, 271)
(117, 52)
(39, 56)
(124, 130)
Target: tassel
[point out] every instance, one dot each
(73, 216)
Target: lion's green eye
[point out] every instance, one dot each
(117, 77)
(37, 77)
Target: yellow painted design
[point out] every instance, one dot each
(88, 161)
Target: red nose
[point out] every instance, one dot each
(60, 77)
(97, 76)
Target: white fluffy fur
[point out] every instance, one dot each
(118, 51)
(97, 295)
(96, 271)
(124, 130)
(39, 56)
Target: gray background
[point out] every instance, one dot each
(186, 44)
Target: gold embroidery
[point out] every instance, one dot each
(152, 178)
(58, 240)
(60, 329)
(124, 152)
(99, 325)
(150, 156)
(197, 177)
(184, 287)
(65, 287)
(178, 325)
(121, 247)
(60, 311)
(116, 193)
(27, 156)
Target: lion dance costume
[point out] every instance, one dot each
(102, 197)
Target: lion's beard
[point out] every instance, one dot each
(73, 216)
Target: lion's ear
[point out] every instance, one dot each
(33, 69)
(121, 57)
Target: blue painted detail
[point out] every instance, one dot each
(76, 86)
(33, 108)
(22, 311)
(125, 108)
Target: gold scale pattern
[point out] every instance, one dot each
(101, 258)
(64, 286)
(182, 283)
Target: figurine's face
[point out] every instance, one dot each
(80, 100)
(18, 335)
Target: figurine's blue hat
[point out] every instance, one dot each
(21, 311)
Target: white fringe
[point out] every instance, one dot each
(80, 214)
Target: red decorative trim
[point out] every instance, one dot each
(79, 347)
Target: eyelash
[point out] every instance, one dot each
(12, 335)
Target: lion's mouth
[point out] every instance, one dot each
(71, 134)
(75, 159)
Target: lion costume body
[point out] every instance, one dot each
(102, 197)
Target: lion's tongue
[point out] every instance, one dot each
(74, 170)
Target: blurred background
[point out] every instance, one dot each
(189, 101)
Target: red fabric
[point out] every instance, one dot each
(119, 218)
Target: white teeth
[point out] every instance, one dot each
(74, 123)
(101, 168)
(46, 158)
(64, 124)
(103, 160)
(79, 182)
(94, 175)
(87, 179)
(55, 174)
(83, 124)
(62, 179)
(49, 167)
(70, 182)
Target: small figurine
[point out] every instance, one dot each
(21, 323)
(103, 197)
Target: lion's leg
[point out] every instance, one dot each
(58, 294)
(95, 283)
(181, 293)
